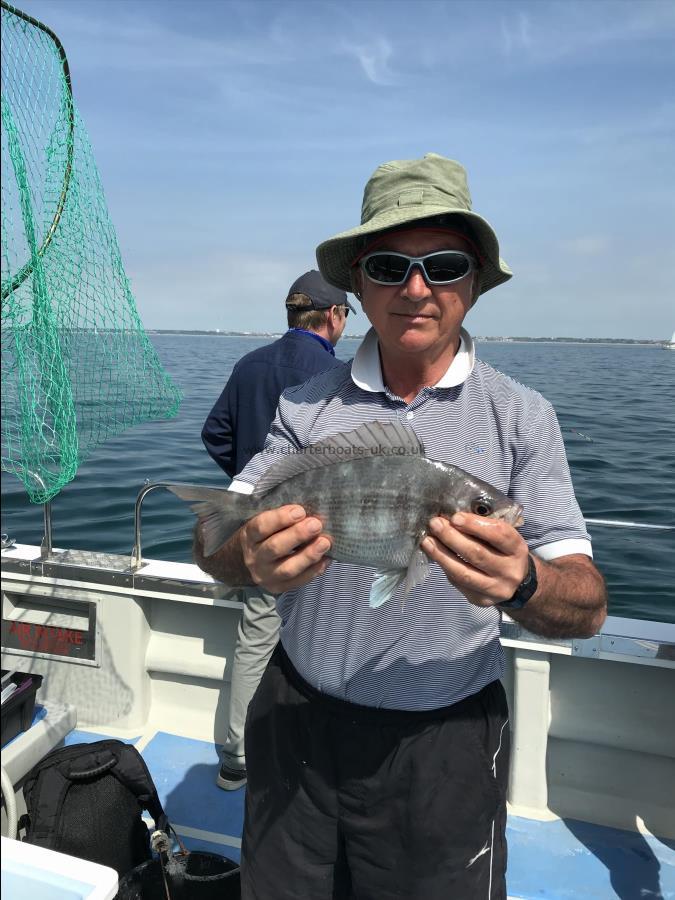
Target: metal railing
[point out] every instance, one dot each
(136, 553)
(615, 523)
(136, 557)
(136, 560)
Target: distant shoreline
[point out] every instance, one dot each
(480, 338)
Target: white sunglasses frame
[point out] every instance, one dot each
(419, 262)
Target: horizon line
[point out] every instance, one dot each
(497, 338)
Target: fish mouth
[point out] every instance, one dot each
(511, 514)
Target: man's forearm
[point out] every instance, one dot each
(570, 601)
(227, 565)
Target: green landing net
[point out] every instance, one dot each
(77, 366)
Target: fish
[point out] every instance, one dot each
(373, 488)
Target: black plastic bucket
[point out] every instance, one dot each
(196, 876)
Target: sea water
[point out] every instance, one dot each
(615, 407)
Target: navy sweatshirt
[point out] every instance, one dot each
(236, 428)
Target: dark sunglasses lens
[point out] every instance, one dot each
(446, 267)
(346, 311)
(387, 268)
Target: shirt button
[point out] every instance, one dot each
(410, 415)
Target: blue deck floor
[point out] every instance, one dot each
(553, 860)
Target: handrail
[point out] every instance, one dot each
(9, 798)
(46, 543)
(136, 553)
(615, 523)
(136, 559)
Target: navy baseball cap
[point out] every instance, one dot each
(321, 294)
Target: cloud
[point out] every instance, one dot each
(516, 33)
(374, 60)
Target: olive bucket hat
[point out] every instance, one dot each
(407, 191)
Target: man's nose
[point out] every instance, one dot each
(415, 287)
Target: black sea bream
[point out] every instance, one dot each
(374, 490)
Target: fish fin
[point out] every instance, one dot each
(195, 492)
(387, 581)
(370, 439)
(418, 569)
(221, 512)
(385, 586)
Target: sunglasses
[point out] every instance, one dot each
(442, 267)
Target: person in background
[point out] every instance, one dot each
(378, 739)
(233, 433)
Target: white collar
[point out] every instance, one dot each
(367, 371)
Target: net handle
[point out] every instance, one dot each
(26, 270)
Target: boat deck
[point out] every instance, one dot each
(556, 860)
(591, 738)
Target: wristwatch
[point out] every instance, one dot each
(525, 589)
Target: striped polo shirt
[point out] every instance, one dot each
(436, 648)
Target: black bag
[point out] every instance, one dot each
(86, 800)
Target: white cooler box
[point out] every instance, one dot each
(34, 873)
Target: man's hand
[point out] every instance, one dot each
(486, 559)
(284, 548)
(280, 549)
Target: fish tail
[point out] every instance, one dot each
(220, 512)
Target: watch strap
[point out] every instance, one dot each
(525, 589)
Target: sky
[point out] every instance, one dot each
(233, 137)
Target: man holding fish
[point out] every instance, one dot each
(398, 506)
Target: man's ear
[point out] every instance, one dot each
(333, 318)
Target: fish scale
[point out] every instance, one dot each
(375, 515)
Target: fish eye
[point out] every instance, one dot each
(481, 506)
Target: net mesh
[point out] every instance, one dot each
(77, 365)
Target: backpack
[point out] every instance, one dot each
(86, 800)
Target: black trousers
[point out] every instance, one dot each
(347, 802)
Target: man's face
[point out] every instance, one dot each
(415, 317)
